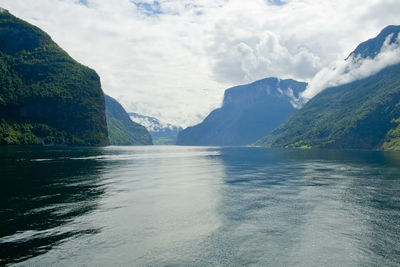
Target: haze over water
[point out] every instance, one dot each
(196, 206)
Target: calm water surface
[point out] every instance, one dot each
(198, 206)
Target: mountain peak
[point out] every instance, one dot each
(372, 47)
(271, 87)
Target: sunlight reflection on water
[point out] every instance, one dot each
(193, 206)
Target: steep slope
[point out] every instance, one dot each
(161, 133)
(121, 129)
(248, 112)
(372, 47)
(46, 97)
(363, 114)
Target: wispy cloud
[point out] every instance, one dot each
(172, 59)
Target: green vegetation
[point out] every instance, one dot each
(392, 138)
(121, 129)
(33, 134)
(305, 147)
(46, 97)
(363, 114)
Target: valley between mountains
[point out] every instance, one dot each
(48, 98)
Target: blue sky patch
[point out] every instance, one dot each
(83, 2)
(276, 2)
(149, 9)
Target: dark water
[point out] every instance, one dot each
(187, 206)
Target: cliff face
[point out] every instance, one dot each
(248, 113)
(121, 129)
(46, 97)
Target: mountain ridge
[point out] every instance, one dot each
(161, 133)
(121, 129)
(371, 47)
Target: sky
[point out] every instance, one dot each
(173, 59)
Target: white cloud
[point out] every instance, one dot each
(354, 68)
(249, 58)
(172, 59)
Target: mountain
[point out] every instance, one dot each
(372, 47)
(248, 113)
(121, 129)
(46, 97)
(162, 133)
(364, 114)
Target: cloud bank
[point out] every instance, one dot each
(173, 59)
(354, 68)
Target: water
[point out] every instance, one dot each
(193, 206)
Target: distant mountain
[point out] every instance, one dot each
(363, 114)
(46, 97)
(121, 129)
(162, 133)
(248, 113)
